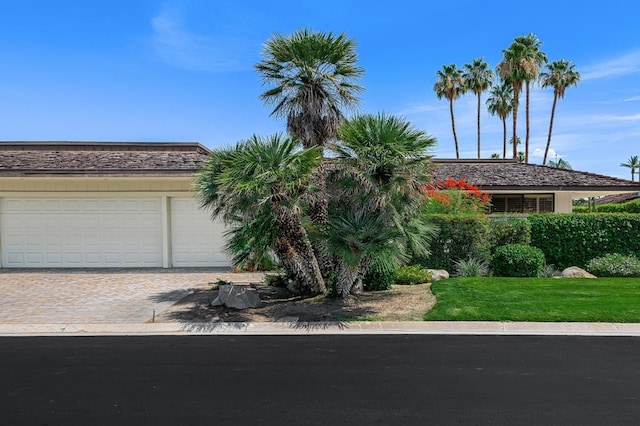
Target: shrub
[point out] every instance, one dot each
(628, 207)
(380, 274)
(471, 267)
(548, 271)
(505, 230)
(460, 236)
(517, 260)
(574, 239)
(456, 197)
(614, 265)
(414, 274)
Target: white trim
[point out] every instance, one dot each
(166, 231)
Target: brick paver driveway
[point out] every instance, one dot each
(100, 295)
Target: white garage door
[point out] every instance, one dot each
(196, 240)
(81, 232)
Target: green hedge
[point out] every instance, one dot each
(517, 260)
(460, 236)
(505, 230)
(574, 239)
(628, 207)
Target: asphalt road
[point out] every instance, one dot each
(320, 380)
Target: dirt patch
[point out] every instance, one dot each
(402, 303)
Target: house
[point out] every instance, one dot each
(123, 204)
(618, 198)
(85, 204)
(529, 188)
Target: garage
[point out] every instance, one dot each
(87, 232)
(196, 240)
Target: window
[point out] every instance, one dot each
(522, 203)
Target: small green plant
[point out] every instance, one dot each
(380, 274)
(517, 260)
(414, 274)
(471, 267)
(276, 280)
(548, 271)
(614, 265)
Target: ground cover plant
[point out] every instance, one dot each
(536, 299)
(614, 265)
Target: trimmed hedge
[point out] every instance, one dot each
(517, 260)
(460, 236)
(628, 207)
(614, 265)
(574, 239)
(505, 230)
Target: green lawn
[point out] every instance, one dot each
(536, 299)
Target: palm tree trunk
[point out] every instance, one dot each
(516, 95)
(295, 251)
(553, 112)
(526, 141)
(453, 127)
(478, 125)
(504, 137)
(346, 279)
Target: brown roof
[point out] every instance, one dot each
(495, 174)
(618, 198)
(100, 158)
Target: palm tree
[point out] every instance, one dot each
(560, 164)
(520, 64)
(313, 77)
(450, 85)
(500, 103)
(258, 185)
(382, 164)
(560, 75)
(633, 163)
(478, 78)
(533, 60)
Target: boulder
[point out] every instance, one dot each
(439, 274)
(575, 272)
(237, 296)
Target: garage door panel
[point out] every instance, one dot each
(81, 232)
(196, 239)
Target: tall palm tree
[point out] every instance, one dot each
(500, 103)
(450, 85)
(313, 76)
(258, 185)
(560, 75)
(633, 163)
(478, 78)
(519, 65)
(532, 61)
(382, 164)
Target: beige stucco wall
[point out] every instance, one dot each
(30, 185)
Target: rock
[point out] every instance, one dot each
(439, 274)
(237, 296)
(575, 272)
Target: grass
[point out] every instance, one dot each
(536, 299)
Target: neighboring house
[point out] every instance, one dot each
(529, 188)
(77, 204)
(618, 198)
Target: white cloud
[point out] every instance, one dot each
(632, 99)
(614, 67)
(181, 48)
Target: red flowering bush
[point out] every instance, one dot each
(455, 196)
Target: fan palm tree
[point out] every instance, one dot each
(258, 185)
(519, 65)
(478, 78)
(500, 103)
(560, 75)
(313, 76)
(532, 61)
(382, 165)
(560, 163)
(633, 163)
(450, 85)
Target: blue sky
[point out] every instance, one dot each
(146, 70)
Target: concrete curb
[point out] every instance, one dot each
(327, 328)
